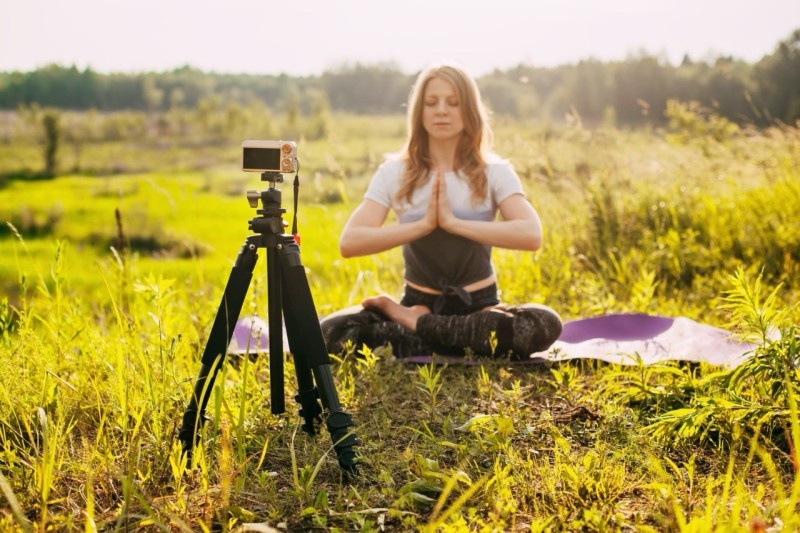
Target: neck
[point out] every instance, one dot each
(443, 154)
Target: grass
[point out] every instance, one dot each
(102, 342)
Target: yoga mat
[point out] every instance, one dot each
(251, 335)
(629, 339)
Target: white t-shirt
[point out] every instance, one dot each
(441, 260)
(503, 182)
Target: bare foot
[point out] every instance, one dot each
(405, 316)
(499, 308)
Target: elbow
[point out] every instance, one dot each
(355, 245)
(347, 249)
(535, 243)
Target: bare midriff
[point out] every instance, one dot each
(474, 286)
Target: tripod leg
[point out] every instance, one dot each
(311, 357)
(217, 345)
(278, 402)
(307, 394)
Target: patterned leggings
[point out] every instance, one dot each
(458, 328)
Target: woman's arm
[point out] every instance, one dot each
(364, 232)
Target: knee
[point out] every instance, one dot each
(336, 333)
(330, 325)
(342, 326)
(536, 327)
(552, 323)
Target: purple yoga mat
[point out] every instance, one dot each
(626, 339)
(633, 338)
(251, 335)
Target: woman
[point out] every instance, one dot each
(446, 189)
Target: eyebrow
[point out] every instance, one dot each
(452, 98)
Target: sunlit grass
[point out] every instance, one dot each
(102, 339)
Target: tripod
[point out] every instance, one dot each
(288, 293)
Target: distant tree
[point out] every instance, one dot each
(512, 92)
(292, 120)
(501, 95)
(122, 92)
(590, 87)
(177, 98)
(319, 126)
(235, 121)
(778, 81)
(261, 124)
(726, 90)
(381, 88)
(544, 90)
(208, 115)
(152, 95)
(640, 85)
(51, 123)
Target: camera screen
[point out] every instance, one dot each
(261, 159)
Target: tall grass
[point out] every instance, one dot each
(101, 341)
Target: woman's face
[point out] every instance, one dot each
(441, 114)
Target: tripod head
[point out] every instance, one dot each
(270, 219)
(272, 178)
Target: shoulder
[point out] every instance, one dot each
(392, 166)
(498, 167)
(502, 178)
(389, 172)
(386, 181)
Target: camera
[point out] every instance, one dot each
(269, 156)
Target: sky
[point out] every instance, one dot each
(307, 37)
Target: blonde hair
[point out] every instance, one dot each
(472, 146)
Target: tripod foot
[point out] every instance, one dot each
(310, 410)
(189, 433)
(344, 441)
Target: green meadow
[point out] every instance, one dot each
(111, 273)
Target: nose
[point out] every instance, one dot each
(441, 107)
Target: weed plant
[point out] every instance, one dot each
(111, 282)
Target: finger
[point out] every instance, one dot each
(433, 202)
(442, 190)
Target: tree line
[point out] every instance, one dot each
(626, 93)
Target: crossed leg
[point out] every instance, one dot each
(516, 330)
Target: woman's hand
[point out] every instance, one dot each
(431, 219)
(444, 212)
